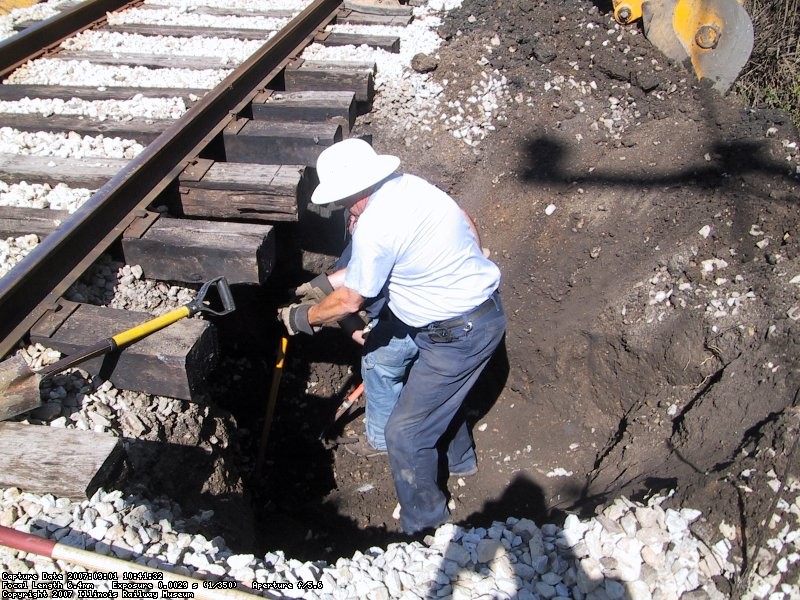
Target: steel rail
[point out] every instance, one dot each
(37, 39)
(66, 253)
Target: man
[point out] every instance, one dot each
(442, 304)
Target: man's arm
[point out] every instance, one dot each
(472, 226)
(337, 278)
(337, 305)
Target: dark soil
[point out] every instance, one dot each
(599, 377)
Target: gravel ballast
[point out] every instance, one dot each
(635, 550)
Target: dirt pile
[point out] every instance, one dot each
(653, 307)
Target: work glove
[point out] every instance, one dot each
(315, 290)
(295, 319)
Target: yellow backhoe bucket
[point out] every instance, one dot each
(715, 36)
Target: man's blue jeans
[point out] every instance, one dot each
(429, 405)
(388, 354)
(384, 365)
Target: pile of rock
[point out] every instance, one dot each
(632, 550)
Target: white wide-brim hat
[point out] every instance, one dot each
(349, 167)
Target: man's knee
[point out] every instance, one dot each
(395, 434)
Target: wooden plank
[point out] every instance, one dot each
(185, 31)
(67, 463)
(194, 250)
(389, 43)
(245, 205)
(349, 17)
(18, 91)
(264, 142)
(377, 9)
(90, 173)
(280, 180)
(150, 61)
(16, 221)
(141, 130)
(311, 106)
(251, 192)
(269, 13)
(310, 75)
(174, 361)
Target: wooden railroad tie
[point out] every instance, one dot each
(353, 17)
(150, 61)
(377, 9)
(306, 107)
(240, 191)
(265, 142)
(186, 31)
(67, 463)
(314, 75)
(389, 43)
(383, 42)
(141, 130)
(17, 91)
(272, 13)
(16, 221)
(90, 173)
(173, 362)
(193, 251)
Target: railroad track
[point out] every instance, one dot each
(189, 198)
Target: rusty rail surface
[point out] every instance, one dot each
(39, 280)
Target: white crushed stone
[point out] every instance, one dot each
(50, 71)
(43, 195)
(14, 249)
(99, 110)
(64, 145)
(631, 550)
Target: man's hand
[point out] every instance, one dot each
(315, 290)
(295, 318)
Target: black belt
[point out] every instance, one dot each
(484, 307)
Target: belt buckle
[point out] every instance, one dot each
(440, 335)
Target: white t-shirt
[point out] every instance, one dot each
(415, 236)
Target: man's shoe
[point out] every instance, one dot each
(467, 473)
(361, 447)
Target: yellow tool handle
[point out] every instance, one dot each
(281, 353)
(153, 325)
(271, 401)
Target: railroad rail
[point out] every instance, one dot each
(45, 274)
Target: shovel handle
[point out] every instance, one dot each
(136, 333)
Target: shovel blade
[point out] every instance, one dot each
(19, 388)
